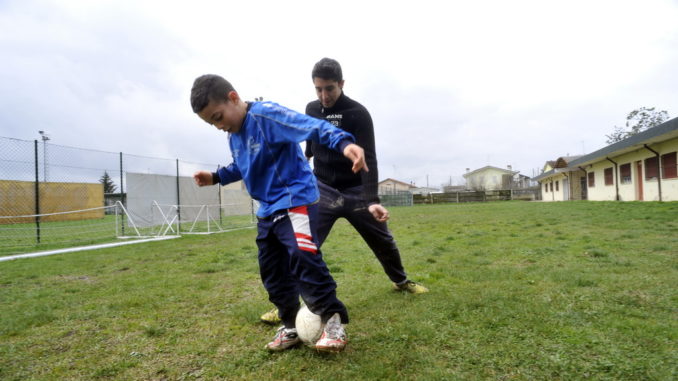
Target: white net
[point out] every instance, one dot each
(54, 230)
(37, 232)
(203, 219)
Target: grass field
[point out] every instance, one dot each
(23, 238)
(519, 291)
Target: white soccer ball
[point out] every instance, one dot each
(309, 326)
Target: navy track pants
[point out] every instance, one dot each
(349, 203)
(291, 265)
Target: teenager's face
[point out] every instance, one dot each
(328, 91)
(225, 115)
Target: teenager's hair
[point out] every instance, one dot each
(327, 68)
(209, 87)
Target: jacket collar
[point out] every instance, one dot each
(337, 105)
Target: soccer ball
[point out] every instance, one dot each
(309, 326)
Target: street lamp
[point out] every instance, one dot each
(45, 138)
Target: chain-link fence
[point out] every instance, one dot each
(54, 196)
(395, 198)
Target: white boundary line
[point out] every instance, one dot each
(83, 248)
(220, 231)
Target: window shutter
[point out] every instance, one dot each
(651, 168)
(669, 166)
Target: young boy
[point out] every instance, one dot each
(264, 140)
(347, 194)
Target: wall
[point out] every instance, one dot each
(388, 186)
(17, 198)
(575, 184)
(669, 186)
(629, 191)
(553, 195)
(600, 191)
(235, 200)
(477, 196)
(488, 179)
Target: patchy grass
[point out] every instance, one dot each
(520, 291)
(23, 238)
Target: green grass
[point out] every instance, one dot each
(23, 238)
(519, 291)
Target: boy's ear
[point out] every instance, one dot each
(233, 96)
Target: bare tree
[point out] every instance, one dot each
(637, 121)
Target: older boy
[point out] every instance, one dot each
(264, 140)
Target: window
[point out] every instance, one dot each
(669, 166)
(546, 187)
(651, 169)
(609, 176)
(551, 186)
(556, 186)
(625, 173)
(592, 180)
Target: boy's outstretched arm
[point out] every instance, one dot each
(203, 178)
(357, 155)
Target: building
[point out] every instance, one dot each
(392, 186)
(561, 182)
(489, 178)
(523, 182)
(642, 168)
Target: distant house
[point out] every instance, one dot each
(522, 182)
(562, 182)
(642, 167)
(392, 186)
(489, 178)
(549, 165)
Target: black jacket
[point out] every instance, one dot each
(331, 167)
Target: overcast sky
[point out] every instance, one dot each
(450, 84)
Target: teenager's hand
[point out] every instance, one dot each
(357, 155)
(203, 178)
(379, 212)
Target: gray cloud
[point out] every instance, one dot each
(445, 94)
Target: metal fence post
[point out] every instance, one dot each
(37, 194)
(219, 190)
(122, 199)
(178, 202)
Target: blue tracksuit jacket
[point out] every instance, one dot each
(268, 158)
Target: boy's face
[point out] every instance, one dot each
(328, 90)
(226, 115)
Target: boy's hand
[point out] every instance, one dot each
(357, 155)
(378, 212)
(203, 178)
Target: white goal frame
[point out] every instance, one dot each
(173, 224)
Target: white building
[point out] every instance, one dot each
(642, 168)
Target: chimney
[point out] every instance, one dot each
(509, 167)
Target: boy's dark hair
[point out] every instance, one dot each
(209, 87)
(327, 68)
